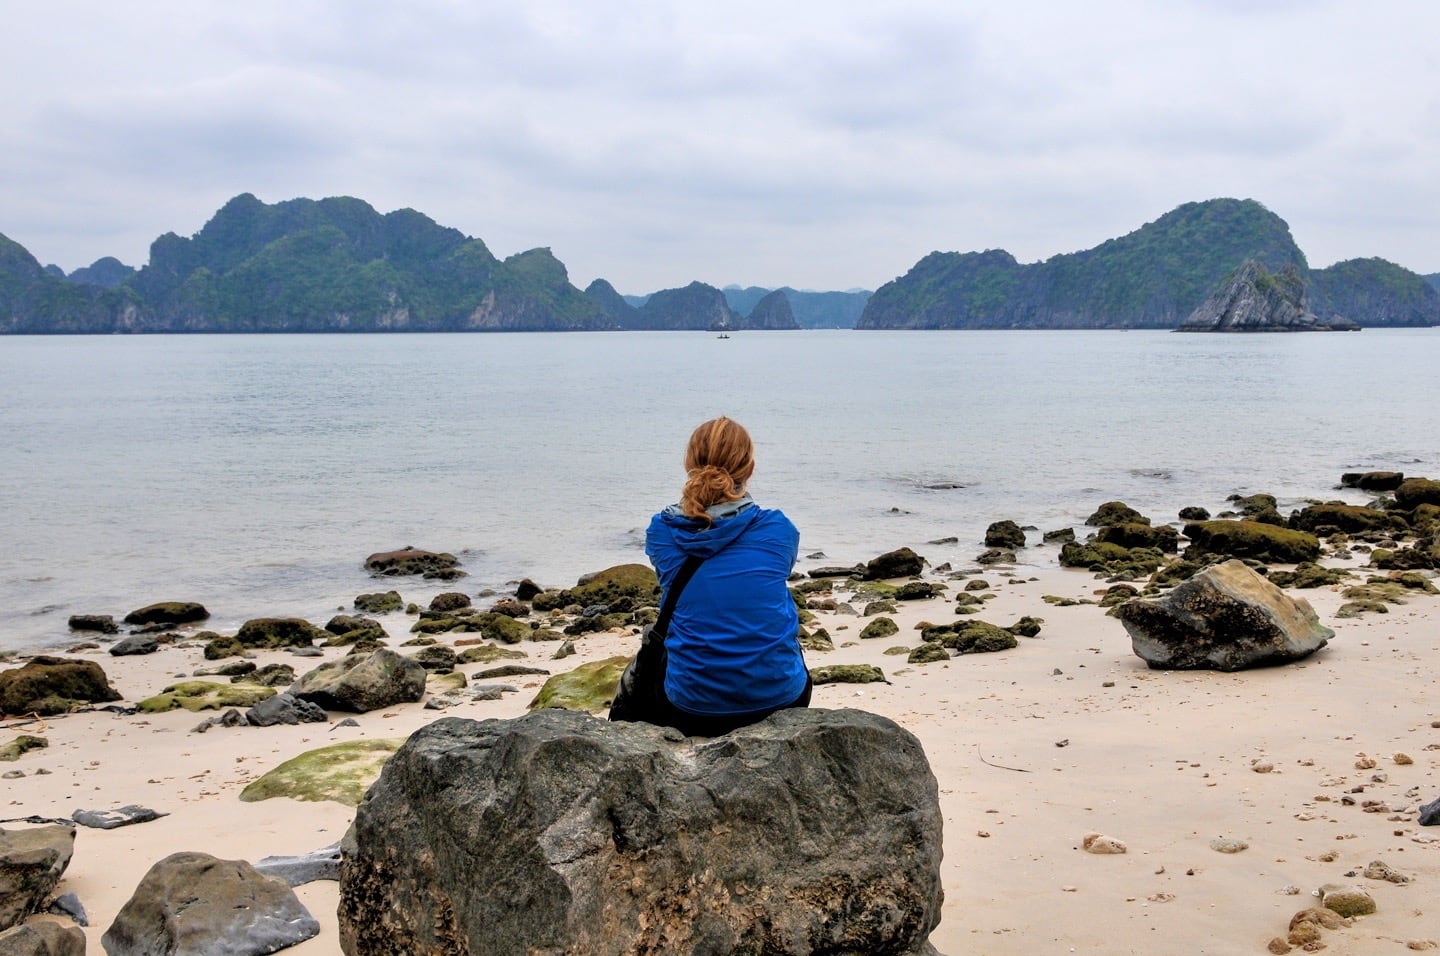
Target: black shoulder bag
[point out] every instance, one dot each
(641, 693)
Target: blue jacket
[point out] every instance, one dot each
(733, 644)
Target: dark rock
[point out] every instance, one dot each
(437, 658)
(53, 685)
(279, 632)
(68, 904)
(1327, 519)
(194, 903)
(1004, 534)
(219, 648)
(995, 556)
(284, 709)
(1406, 559)
(307, 651)
(362, 683)
(271, 675)
(350, 628)
(168, 613)
(526, 590)
(449, 601)
(1308, 575)
(512, 608)
(1251, 539)
(1026, 626)
(1224, 618)
(980, 637)
(232, 670)
(900, 563)
(42, 937)
(1254, 505)
(880, 627)
(508, 670)
(135, 644)
(1134, 535)
(1111, 559)
(103, 623)
(565, 649)
(813, 831)
(1430, 814)
(836, 572)
(1059, 536)
(928, 653)
(1115, 512)
(1413, 492)
(31, 864)
(1376, 481)
(635, 581)
(1254, 299)
(125, 816)
(384, 602)
(915, 591)
(321, 864)
(847, 674)
(1194, 513)
(412, 561)
(21, 746)
(491, 691)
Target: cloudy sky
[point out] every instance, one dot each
(823, 144)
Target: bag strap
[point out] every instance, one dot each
(672, 594)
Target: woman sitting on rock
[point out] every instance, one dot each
(732, 647)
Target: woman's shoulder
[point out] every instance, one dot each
(775, 520)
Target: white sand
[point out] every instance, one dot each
(1160, 760)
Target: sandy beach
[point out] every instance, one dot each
(1033, 748)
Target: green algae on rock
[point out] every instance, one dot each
(340, 773)
(204, 695)
(635, 581)
(880, 627)
(22, 745)
(53, 685)
(847, 674)
(1251, 539)
(488, 654)
(589, 687)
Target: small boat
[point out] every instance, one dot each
(722, 335)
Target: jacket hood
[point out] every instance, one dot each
(692, 537)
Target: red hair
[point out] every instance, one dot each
(718, 461)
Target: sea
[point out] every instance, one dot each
(254, 474)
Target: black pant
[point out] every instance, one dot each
(700, 725)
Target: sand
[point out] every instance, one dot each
(1033, 748)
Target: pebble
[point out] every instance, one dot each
(1262, 766)
(1364, 763)
(1403, 759)
(1380, 870)
(1228, 845)
(1101, 844)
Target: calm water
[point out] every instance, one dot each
(255, 473)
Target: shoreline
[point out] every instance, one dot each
(1161, 760)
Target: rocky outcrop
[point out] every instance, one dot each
(1253, 299)
(1224, 618)
(31, 864)
(900, 563)
(771, 312)
(195, 903)
(53, 685)
(43, 936)
(429, 564)
(612, 303)
(811, 832)
(168, 613)
(363, 682)
(1251, 539)
(1004, 534)
(695, 307)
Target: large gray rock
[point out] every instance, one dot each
(42, 937)
(284, 709)
(191, 904)
(813, 831)
(31, 864)
(1225, 618)
(1253, 299)
(363, 682)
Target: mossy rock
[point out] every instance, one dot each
(280, 632)
(981, 637)
(380, 602)
(168, 612)
(430, 564)
(340, 773)
(883, 606)
(916, 591)
(1251, 539)
(967, 599)
(1175, 572)
(897, 650)
(1254, 504)
(847, 674)
(1112, 559)
(1194, 513)
(204, 695)
(1414, 492)
(1004, 534)
(1331, 517)
(223, 647)
(928, 653)
(1388, 591)
(21, 746)
(438, 683)
(1115, 512)
(488, 654)
(817, 640)
(880, 627)
(977, 584)
(1118, 594)
(271, 675)
(1308, 575)
(589, 687)
(550, 634)
(1056, 600)
(53, 685)
(1027, 626)
(900, 563)
(1356, 608)
(1413, 581)
(1425, 519)
(635, 581)
(995, 556)
(1133, 535)
(938, 633)
(1405, 559)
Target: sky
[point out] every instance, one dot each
(820, 144)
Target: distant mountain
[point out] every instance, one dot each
(612, 303)
(771, 312)
(696, 306)
(108, 273)
(1375, 293)
(1434, 280)
(1151, 278)
(812, 310)
(34, 300)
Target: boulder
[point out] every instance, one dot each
(193, 903)
(900, 563)
(812, 831)
(168, 613)
(363, 682)
(271, 675)
(135, 644)
(995, 556)
(1377, 481)
(589, 687)
(102, 623)
(284, 709)
(1254, 299)
(31, 864)
(1004, 534)
(429, 564)
(436, 658)
(880, 627)
(1115, 512)
(526, 590)
(380, 602)
(1225, 618)
(53, 685)
(340, 772)
(635, 581)
(351, 628)
(1413, 492)
(114, 819)
(280, 632)
(449, 601)
(1333, 516)
(847, 674)
(1131, 534)
(979, 637)
(321, 864)
(197, 695)
(43, 937)
(1251, 539)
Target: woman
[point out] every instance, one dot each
(733, 642)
